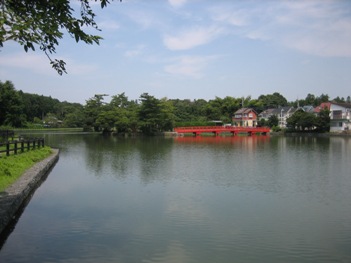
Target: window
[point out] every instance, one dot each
(250, 115)
(337, 114)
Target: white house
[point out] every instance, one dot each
(282, 113)
(340, 116)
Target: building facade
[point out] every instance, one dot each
(282, 113)
(245, 117)
(339, 113)
(340, 117)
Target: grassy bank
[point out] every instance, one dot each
(18, 130)
(12, 167)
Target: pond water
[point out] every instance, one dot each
(203, 199)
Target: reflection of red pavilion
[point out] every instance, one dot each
(246, 146)
(250, 142)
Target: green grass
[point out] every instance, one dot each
(17, 130)
(13, 166)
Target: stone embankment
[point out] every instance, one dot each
(12, 199)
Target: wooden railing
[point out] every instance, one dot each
(17, 146)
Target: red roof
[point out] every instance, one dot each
(324, 105)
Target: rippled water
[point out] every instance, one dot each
(218, 199)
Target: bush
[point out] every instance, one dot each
(276, 129)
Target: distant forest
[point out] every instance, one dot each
(147, 114)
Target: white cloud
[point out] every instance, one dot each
(75, 68)
(29, 61)
(318, 28)
(108, 25)
(177, 3)
(191, 38)
(321, 28)
(143, 18)
(38, 63)
(189, 66)
(229, 16)
(134, 52)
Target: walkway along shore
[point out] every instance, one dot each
(15, 196)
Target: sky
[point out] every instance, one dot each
(197, 49)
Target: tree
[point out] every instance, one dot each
(199, 107)
(272, 121)
(39, 105)
(274, 100)
(40, 23)
(149, 114)
(322, 98)
(213, 109)
(339, 100)
(261, 123)
(166, 116)
(94, 106)
(323, 120)
(307, 121)
(11, 110)
(301, 120)
(155, 115)
(120, 115)
(51, 120)
(74, 119)
(257, 105)
(183, 110)
(106, 120)
(228, 107)
(310, 100)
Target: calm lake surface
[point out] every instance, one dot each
(217, 199)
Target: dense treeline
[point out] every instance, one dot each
(19, 109)
(148, 114)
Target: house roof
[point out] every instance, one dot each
(323, 105)
(308, 108)
(284, 110)
(244, 110)
(345, 105)
(327, 105)
(278, 111)
(267, 112)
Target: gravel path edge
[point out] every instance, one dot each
(15, 195)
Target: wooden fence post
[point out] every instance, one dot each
(7, 148)
(19, 145)
(15, 148)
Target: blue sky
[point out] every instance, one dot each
(198, 49)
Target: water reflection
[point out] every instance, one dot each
(203, 199)
(118, 156)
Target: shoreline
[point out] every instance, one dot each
(311, 134)
(15, 196)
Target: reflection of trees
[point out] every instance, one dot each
(108, 155)
(123, 157)
(154, 158)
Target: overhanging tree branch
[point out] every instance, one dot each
(40, 23)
